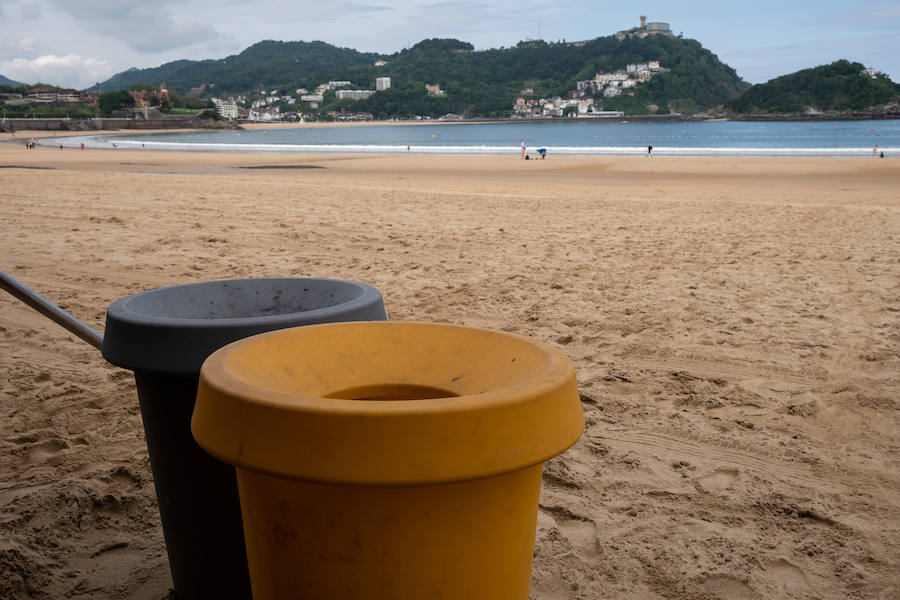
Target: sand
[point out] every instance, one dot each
(734, 323)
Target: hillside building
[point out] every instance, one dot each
(196, 91)
(226, 108)
(353, 94)
(382, 83)
(646, 29)
(49, 94)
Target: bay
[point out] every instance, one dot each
(576, 137)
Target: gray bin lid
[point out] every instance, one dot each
(173, 329)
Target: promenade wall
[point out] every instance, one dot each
(57, 124)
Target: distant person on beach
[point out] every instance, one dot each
(543, 153)
(882, 154)
(649, 151)
(82, 145)
(523, 149)
(875, 151)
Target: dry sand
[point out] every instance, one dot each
(735, 326)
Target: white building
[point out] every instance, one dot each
(608, 113)
(353, 94)
(336, 84)
(312, 98)
(265, 115)
(604, 78)
(228, 109)
(382, 83)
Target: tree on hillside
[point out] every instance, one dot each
(143, 87)
(110, 101)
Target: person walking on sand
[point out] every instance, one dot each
(875, 151)
(523, 149)
(649, 151)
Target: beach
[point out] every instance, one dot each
(734, 325)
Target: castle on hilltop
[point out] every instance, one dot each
(654, 28)
(645, 29)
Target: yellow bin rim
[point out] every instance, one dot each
(387, 403)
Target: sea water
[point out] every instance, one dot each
(577, 137)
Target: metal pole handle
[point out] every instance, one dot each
(49, 310)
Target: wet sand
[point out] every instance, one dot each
(734, 323)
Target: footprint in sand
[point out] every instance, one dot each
(787, 576)
(718, 481)
(579, 531)
(726, 587)
(46, 452)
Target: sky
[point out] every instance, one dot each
(76, 43)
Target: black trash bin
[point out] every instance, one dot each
(164, 335)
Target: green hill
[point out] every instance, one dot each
(265, 65)
(486, 83)
(9, 82)
(840, 86)
(477, 83)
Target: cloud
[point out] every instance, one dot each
(27, 10)
(70, 70)
(761, 64)
(31, 11)
(146, 28)
(338, 10)
(357, 8)
(224, 45)
(873, 16)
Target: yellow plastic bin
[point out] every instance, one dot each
(388, 460)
